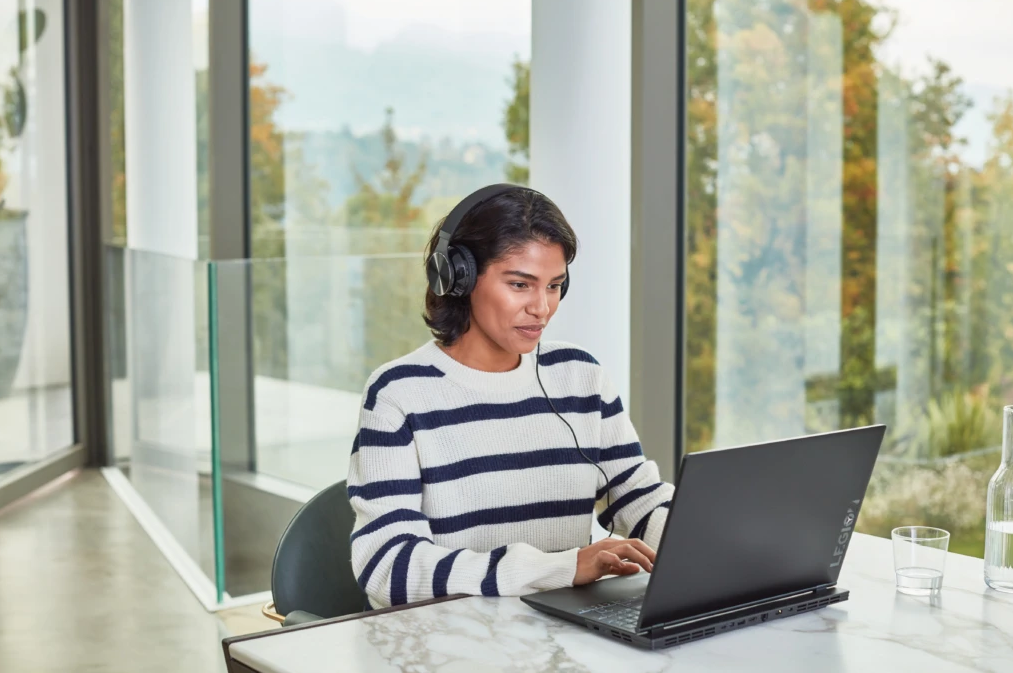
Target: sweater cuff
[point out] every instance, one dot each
(655, 527)
(561, 568)
(530, 570)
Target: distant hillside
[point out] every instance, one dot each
(453, 169)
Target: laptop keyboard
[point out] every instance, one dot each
(623, 613)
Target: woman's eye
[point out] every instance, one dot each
(555, 286)
(519, 285)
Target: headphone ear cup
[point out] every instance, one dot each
(465, 270)
(566, 284)
(440, 274)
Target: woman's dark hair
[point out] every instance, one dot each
(493, 230)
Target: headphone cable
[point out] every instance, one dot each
(608, 491)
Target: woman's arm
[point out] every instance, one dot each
(639, 498)
(393, 554)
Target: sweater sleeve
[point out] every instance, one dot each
(393, 554)
(639, 499)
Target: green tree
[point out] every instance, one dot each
(390, 298)
(389, 202)
(701, 223)
(516, 124)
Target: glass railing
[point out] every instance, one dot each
(235, 389)
(158, 394)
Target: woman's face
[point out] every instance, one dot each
(515, 298)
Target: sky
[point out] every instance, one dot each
(441, 64)
(369, 23)
(973, 37)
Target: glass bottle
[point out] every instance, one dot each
(999, 515)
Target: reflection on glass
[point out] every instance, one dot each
(848, 256)
(36, 411)
(307, 413)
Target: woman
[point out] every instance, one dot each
(463, 476)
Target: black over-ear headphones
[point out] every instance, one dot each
(452, 269)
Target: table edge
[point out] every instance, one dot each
(232, 640)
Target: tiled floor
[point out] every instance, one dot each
(82, 588)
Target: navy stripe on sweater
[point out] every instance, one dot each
(641, 528)
(399, 573)
(621, 451)
(393, 516)
(489, 585)
(611, 409)
(396, 374)
(369, 437)
(442, 574)
(616, 480)
(431, 420)
(512, 514)
(565, 355)
(367, 572)
(523, 460)
(605, 518)
(383, 489)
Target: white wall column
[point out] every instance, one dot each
(161, 127)
(161, 185)
(580, 158)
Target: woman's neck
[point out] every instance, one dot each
(478, 351)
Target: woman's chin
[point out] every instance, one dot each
(523, 346)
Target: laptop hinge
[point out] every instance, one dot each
(659, 629)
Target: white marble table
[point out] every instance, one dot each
(967, 627)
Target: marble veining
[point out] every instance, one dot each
(967, 627)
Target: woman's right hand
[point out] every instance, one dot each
(612, 557)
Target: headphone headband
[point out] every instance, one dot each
(453, 220)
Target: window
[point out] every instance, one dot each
(849, 170)
(36, 410)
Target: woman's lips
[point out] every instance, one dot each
(530, 332)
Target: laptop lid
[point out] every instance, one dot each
(751, 523)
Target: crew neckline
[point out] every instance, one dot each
(518, 377)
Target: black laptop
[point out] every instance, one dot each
(754, 533)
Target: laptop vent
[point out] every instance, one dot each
(621, 636)
(686, 637)
(822, 603)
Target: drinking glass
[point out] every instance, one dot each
(919, 558)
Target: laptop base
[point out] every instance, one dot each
(688, 630)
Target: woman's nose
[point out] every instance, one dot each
(540, 305)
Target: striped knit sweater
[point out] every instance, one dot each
(464, 481)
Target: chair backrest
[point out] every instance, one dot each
(313, 563)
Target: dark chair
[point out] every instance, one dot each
(312, 576)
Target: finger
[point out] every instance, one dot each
(611, 564)
(628, 551)
(610, 544)
(643, 548)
